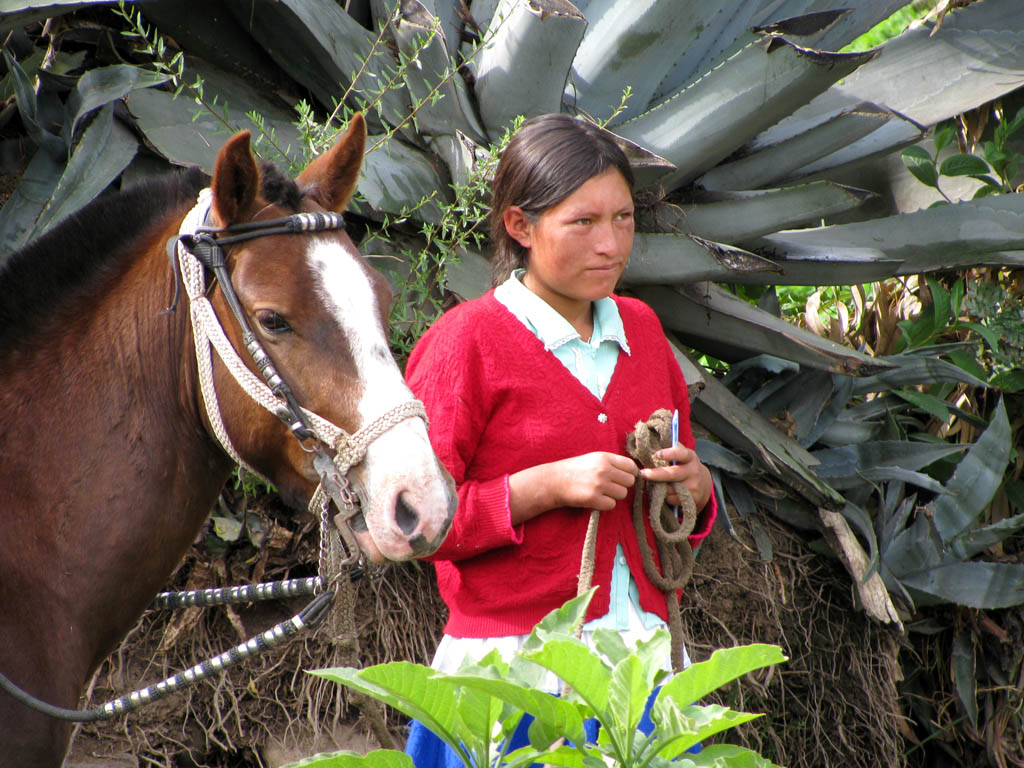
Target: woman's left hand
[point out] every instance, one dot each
(687, 470)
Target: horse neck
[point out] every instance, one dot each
(109, 404)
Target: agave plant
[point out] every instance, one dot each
(764, 156)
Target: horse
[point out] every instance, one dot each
(110, 455)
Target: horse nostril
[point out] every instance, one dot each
(405, 516)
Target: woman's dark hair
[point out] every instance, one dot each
(548, 159)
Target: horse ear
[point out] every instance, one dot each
(332, 177)
(236, 180)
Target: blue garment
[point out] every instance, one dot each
(428, 751)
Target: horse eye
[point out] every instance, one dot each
(272, 322)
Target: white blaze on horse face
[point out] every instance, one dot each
(406, 500)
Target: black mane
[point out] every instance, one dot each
(89, 245)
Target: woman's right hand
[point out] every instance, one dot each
(594, 480)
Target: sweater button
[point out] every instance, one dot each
(602, 417)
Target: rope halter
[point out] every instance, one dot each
(198, 248)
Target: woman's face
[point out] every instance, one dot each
(578, 248)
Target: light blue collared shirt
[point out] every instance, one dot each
(592, 362)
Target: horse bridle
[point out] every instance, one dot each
(197, 248)
(200, 247)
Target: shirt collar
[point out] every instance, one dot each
(550, 327)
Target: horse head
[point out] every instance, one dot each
(320, 312)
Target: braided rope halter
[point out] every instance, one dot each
(196, 249)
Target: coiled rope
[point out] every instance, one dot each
(671, 529)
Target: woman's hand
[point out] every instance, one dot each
(592, 481)
(687, 470)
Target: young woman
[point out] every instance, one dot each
(532, 390)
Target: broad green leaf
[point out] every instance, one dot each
(187, 134)
(633, 43)
(982, 49)
(710, 119)
(610, 644)
(963, 165)
(940, 301)
(706, 721)
(921, 165)
(417, 691)
(573, 662)
(725, 665)
(943, 136)
(627, 695)
(378, 758)
(104, 151)
(522, 66)
(1007, 381)
(747, 431)
(976, 479)
(734, 756)
(559, 714)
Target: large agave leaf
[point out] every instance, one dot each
(737, 217)
(975, 232)
(322, 47)
(396, 178)
(188, 134)
(522, 66)
(632, 44)
(210, 31)
(104, 151)
(714, 320)
(777, 162)
(663, 258)
(747, 431)
(23, 207)
(976, 479)
(441, 103)
(980, 50)
(708, 120)
(723, 27)
(19, 13)
(849, 465)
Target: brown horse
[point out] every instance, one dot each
(108, 464)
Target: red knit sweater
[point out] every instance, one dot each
(499, 402)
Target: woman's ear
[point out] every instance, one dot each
(518, 226)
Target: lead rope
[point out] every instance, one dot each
(670, 532)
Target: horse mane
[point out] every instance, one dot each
(91, 244)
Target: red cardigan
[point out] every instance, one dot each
(499, 402)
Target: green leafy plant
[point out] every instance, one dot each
(476, 711)
(996, 171)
